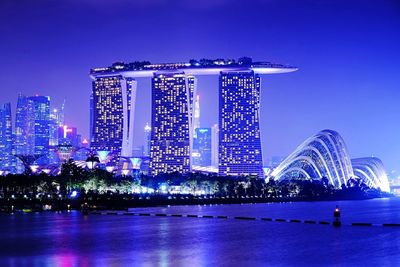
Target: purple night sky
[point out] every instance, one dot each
(347, 52)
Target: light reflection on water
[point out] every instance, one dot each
(71, 239)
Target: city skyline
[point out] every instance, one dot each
(113, 78)
(359, 81)
(178, 132)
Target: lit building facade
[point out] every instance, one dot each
(172, 112)
(176, 113)
(68, 136)
(56, 121)
(24, 127)
(202, 147)
(24, 142)
(114, 100)
(91, 117)
(214, 146)
(196, 116)
(41, 107)
(6, 139)
(53, 131)
(239, 121)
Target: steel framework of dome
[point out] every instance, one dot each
(325, 155)
(372, 172)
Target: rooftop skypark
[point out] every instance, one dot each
(201, 67)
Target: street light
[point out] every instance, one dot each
(92, 161)
(110, 168)
(34, 168)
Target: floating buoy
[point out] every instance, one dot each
(336, 216)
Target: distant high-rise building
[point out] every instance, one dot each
(113, 107)
(24, 127)
(6, 139)
(196, 118)
(24, 142)
(41, 107)
(68, 136)
(56, 121)
(61, 114)
(147, 140)
(53, 130)
(214, 145)
(239, 113)
(78, 140)
(202, 144)
(91, 117)
(57, 114)
(172, 130)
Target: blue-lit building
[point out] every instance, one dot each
(53, 129)
(24, 127)
(196, 116)
(41, 109)
(175, 114)
(202, 147)
(214, 146)
(113, 108)
(91, 117)
(68, 136)
(325, 154)
(171, 121)
(7, 160)
(56, 121)
(239, 122)
(24, 142)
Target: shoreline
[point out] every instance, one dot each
(7, 206)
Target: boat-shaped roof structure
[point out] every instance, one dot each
(140, 69)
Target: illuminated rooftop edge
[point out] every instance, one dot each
(194, 67)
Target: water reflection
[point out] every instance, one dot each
(70, 239)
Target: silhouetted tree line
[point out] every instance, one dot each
(101, 182)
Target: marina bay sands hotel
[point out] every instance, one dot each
(172, 112)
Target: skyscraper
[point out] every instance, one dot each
(41, 108)
(6, 138)
(114, 100)
(196, 118)
(56, 121)
(68, 136)
(239, 113)
(202, 144)
(61, 114)
(214, 145)
(24, 143)
(172, 113)
(24, 127)
(53, 128)
(91, 117)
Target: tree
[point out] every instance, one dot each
(215, 187)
